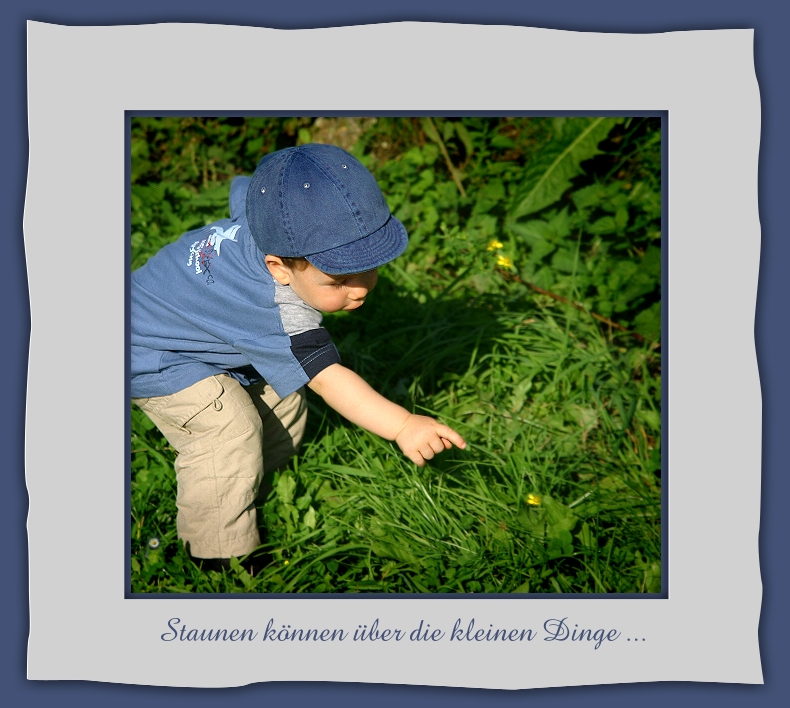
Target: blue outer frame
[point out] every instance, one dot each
(772, 54)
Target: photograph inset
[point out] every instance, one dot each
(396, 355)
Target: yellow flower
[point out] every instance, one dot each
(285, 562)
(533, 499)
(494, 245)
(504, 262)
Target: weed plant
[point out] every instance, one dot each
(525, 313)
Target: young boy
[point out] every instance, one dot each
(226, 332)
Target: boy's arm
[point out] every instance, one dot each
(418, 436)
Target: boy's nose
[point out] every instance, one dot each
(359, 292)
(362, 284)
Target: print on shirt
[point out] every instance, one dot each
(201, 252)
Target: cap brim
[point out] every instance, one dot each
(367, 253)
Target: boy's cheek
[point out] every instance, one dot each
(326, 304)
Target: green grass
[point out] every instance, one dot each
(559, 489)
(549, 407)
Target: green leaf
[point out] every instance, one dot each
(550, 171)
(564, 260)
(559, 517)
(487, 198)
(501, 142)
(285, 488)
(393, 550)
(448, 130)
(586, 537)
(621, 217)
(604, 225)
(650, 418)
(466, 139)
(430, 129)
(648, 322)
(590, 196)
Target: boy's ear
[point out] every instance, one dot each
(280, 272)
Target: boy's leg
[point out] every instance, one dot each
(218, 433)
(284, 421)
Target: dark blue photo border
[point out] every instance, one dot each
(663, 115)
(772, 55)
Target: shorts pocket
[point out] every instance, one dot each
(183, 406)
(222, 412)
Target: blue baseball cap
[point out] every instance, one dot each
(318, 202)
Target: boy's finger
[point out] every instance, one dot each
(449, 434)
(427, 452)
(437, 445)
(417, 459)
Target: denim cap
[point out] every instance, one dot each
(318, 202)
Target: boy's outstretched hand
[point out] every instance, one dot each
(422, 437)
(419, 437)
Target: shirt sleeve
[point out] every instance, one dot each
(314, 350)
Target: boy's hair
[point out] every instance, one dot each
(296, 263)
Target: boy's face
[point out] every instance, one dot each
(327, 293)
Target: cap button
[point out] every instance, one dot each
(263, 190)
(307, 185)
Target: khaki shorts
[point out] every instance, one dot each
(226, 436)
